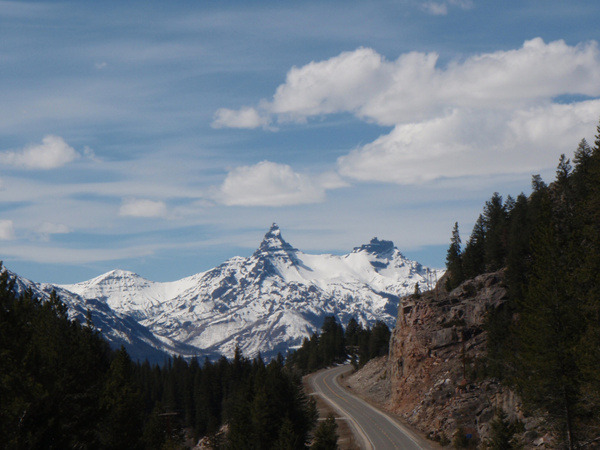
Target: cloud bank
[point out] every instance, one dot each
(490, 113)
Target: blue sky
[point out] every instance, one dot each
(166, 137)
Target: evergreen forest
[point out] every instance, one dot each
(336, 345)
(545, 340)
(61, 386)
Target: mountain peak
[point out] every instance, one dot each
(377, 247)
(120, 273)
(273, 244)
(274, 231)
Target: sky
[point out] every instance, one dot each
(166, 137)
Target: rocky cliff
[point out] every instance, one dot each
(436, 351)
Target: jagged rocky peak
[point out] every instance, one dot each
(380, 248)
(273, 244)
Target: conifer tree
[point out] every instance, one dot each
(454, 260)
(502, 433)
(326, 437)
(494, 215)
(121, 400)
(473, 258)
(353, 331)
(549, 328)
(287, 439)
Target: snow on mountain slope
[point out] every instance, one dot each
(130, 293)
(268, 302)
(117, 328)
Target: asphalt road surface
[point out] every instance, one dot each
(372, 427)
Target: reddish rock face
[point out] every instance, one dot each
(434, 350)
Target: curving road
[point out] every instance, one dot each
(374, 428)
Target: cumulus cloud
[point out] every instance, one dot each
(53, 152)
(487, 113)
(242, 118)
(271, 184)
(7, 230)
(135, 207)
(467, 143)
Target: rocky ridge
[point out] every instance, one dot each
(430, 376)
(435, 350)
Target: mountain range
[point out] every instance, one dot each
(268, 302)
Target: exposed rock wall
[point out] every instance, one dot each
(438, 342)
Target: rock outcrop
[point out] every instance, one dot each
(435, 351)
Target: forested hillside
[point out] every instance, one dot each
(545, 341)
(335, 345)
(62, 387)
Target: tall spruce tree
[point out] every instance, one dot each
(494, 214)
(326, 436)
(473, 258)
(549, 328)
(454, 260)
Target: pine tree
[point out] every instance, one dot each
(473, 258)
(502, 433)
(379, 340)
(518, 255)
(353, 330)
(549, 328)
(326, 437)
(454, 260)
(121, 399)
(287, 439)
(494, 216)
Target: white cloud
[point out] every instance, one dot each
(437, 9)
(48, 228)
(243, 118)
(142, 208)
(489, 113)
(441, 8)
(271, 184)
(468, 143)
(7, 230)
(53, 152)
(414, 87)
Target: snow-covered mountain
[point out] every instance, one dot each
(267, 302)
(117, 328)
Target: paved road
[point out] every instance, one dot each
(372, 427)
